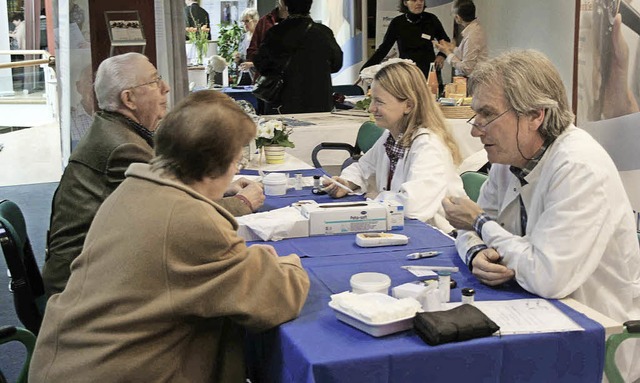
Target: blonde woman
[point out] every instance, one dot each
(415, 160)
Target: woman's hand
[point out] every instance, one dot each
(336, 191)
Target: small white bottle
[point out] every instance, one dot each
(298, 182)
(468, 295)
(444, 285)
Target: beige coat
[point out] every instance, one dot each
(163, 291)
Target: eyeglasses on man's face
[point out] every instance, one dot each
(156, 82)
(483, 127)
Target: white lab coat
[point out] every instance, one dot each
(422, 178)
(580, 238)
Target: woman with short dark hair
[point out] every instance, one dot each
(164, 289)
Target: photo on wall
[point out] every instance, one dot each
(607, 84)
(228, 12)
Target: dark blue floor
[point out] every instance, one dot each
(35, 202)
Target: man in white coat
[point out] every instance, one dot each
(553, 213)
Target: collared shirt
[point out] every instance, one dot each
(394, 150)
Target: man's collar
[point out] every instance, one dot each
(522, 173)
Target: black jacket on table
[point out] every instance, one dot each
(314, 56)
(414, 34)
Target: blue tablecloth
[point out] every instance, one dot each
(316, 347)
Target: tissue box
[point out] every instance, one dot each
(345, 217)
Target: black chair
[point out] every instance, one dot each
(348, 90)
(26, 282)
(368, 134)
(10, 334)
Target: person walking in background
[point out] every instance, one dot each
(414, 162)
(133, 99)
(312, 54)
(195, 16)
(473, 47)
(413, 31)
(166, 294)
(249, 20)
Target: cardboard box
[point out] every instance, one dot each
(395, 215)
(346, 217)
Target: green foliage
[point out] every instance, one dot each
(364, 103)
(229, 38)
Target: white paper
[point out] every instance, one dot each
(526, 316)
(273, 225)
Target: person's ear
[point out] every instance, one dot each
(128, 99)
(408, 107)
(536, 118)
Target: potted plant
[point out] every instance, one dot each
(229, 38)
(273, 137)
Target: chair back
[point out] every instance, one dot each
(368, 134)
(26, 282)
(10, 334)
(472, 182)
(630, 329)
(348, 90)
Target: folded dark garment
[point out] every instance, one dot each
(458, 324)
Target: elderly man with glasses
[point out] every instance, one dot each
(132, 98)
(553, 214)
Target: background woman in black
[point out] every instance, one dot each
(414, 31)
(315, 54)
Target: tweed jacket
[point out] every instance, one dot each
(95, 169)
(163, 295)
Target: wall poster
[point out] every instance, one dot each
(608, 83)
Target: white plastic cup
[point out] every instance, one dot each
(370, 283)
(275, 184)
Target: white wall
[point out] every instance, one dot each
(545, 25)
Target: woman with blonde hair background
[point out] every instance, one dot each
(415, 160)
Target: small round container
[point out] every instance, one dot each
(468, 295)
(370, 283)
(275, 184)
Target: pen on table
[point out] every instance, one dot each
(423, 254)
(338, 184)
(432, 268)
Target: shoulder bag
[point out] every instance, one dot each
(269, 87)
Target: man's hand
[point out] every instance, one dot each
(444, 46)
(488, 270)
(439, 62)
(461, 212)
(254, 194)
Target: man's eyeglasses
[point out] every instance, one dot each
(246, 21)
(483, 127)
(156, 81)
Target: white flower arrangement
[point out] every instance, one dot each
(273, 132)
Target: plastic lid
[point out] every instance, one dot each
(275, 179)
(316, 177)
(367, 281)
(468, 291)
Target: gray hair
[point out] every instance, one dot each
(529, 82)
(115, 75)
(252, 13)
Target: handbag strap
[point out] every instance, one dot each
(306, 30)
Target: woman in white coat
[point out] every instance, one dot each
(415, 160)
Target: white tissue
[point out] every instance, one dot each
(375, 307)
(273, 225)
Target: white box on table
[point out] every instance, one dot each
(395, 215)
(345, 217)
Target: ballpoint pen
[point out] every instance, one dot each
(423, 254)
(338, 184)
